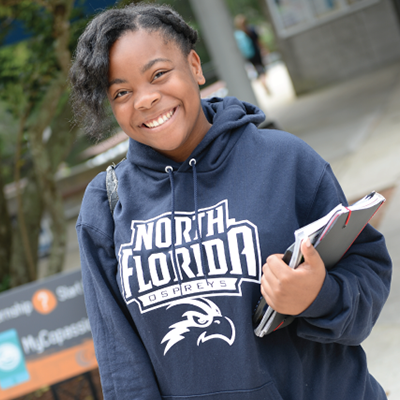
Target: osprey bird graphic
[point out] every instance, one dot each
(207, 320)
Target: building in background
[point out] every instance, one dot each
(328, 41)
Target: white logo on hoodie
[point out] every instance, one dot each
(154, 274)
(206, 319)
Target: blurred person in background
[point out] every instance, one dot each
(251, 48)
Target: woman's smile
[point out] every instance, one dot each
(161, 120)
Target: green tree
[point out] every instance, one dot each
(33, 87)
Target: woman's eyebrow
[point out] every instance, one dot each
(152, 62)
(115, 81)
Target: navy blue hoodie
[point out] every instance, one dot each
(172, 279)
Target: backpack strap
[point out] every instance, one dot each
(112, 187)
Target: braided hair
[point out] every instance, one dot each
(89, 71)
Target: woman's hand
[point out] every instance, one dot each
(291, 291)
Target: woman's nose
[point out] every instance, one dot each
(146, 99)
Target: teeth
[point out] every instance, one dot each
(160, 120)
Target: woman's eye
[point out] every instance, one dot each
(120, 94)
(159, 74)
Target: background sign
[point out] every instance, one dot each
(45, 335)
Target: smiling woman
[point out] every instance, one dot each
(172, 275)
(154, 93)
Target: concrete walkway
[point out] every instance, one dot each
(355, 126)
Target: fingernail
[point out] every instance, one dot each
(308, 242)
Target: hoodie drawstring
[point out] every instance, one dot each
(192, 163)
(170, 171)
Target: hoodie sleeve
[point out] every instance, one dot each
(125, 368)
(354, 291)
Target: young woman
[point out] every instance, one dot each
(173, 275)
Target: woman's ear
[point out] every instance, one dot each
(195, 66)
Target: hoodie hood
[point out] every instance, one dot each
(228, 116)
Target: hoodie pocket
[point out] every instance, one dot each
(265, 392)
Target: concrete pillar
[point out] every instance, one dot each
(218, 33)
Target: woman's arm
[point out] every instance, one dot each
(355, 290)
(125, 368)
(340, 305)
(353, 294)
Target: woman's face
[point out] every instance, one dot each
(154, 93)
